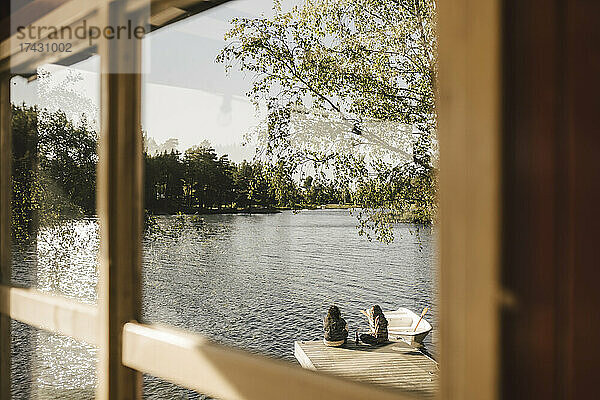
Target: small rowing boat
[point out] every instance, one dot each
(405, 325)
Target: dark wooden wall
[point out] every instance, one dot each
(551, 186)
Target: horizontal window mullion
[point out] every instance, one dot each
(195, 362)
(52, 313)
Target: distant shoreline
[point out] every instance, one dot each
(263, 210)
(277, 210)
(320, 207)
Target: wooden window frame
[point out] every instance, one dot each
(469, 114)
(469, 126)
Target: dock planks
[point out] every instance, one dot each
(395, 365)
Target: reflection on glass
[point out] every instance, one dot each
(291, 164)
(55, 134)
(66, 258)
(50, 366)
(55, 124)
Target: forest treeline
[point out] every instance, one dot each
(199, 180)
(54, 176)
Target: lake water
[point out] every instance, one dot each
(258, 282)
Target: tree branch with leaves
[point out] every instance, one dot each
(349, 81)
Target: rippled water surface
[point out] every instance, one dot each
(258, 282)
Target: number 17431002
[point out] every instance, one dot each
(46, 47)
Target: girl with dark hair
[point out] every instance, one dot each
(379, 327)
(335, 328)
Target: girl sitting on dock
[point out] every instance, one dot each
(379, 327)
(335, 327)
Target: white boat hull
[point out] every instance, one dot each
(404, 325)
(413, 340)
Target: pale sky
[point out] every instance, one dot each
(186, 95)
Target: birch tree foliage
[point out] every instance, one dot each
(349, 87)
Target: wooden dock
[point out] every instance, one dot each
(395, 365)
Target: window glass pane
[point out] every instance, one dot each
(290, 165)
(55, 125)
(51, 366)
